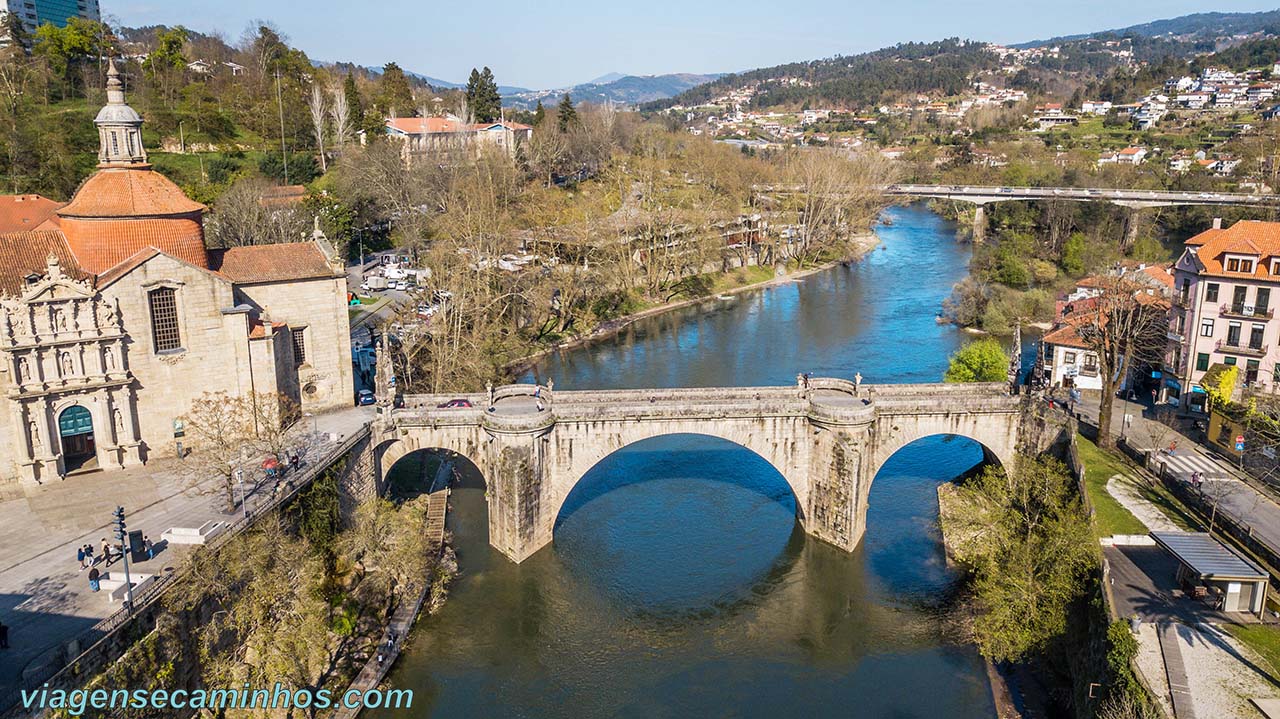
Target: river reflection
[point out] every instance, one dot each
(679, 583)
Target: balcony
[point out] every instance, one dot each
(1089, 371)
(1181, 300)
(1235, 349)
(1175, 336)
(1248, 312)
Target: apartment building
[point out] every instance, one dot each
(1226, 284)
(35, 13)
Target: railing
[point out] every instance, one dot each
(1248, 312)
(1182, 301)
(142, 600)
(1175, 336)
(1232, 348)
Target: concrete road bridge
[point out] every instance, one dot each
(1132, 199)
(827, 439)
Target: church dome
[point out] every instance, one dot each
(126, 206)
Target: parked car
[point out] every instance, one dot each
(365, 397)
(455, 404)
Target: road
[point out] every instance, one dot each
(1137, 198)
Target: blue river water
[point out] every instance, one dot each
(679, 583)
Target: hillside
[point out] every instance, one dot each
(625, 90)
(855, 81)
(1207, 24)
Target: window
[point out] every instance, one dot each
(1275, 373)
(164, 319)
(1202, 361)
(1090, 361)
(1069, 357)
(299, 335)
(1235, 264)
(1261, 301)
(1206, 328)
(1256, 333)
(1211, 292)
(1182, 323)
(1238, 297)
(1275, 267)
(1251, 371)
(1233, 334)
(115, 145)
(1229, 361)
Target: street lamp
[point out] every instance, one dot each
(244, 498)
(121, 535)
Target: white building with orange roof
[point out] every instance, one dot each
(115, 315)
(1226, 287)
(450, 138)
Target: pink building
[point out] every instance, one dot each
(1223, 310)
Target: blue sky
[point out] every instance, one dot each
(555, 43)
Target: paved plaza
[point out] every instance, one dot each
(45, 598)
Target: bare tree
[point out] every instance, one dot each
(834, 196)
(319, 110)
(340, 115)
(219, 429)
(1125, 328)
(246, 214)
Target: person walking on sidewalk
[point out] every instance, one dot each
(89, 561)
(94, 574)
(106, 552)
(80, 557)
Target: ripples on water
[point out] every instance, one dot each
(679, 583)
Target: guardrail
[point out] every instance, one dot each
(144, 599)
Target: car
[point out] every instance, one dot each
(400, 285)
(365, 397)
(1006, 189)
(455, 404)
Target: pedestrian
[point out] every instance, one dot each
(148, 547)
(106, 552)
(80, 557)
(88, 555)
(4, 635)
(380, 657)
(1173, 448)
(94, 574)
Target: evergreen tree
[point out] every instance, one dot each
(566, 114)
(394, 93)
(355, 106)
(539, 114)
(482, 96)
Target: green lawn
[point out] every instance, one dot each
(1099, 466)
(1261, 638)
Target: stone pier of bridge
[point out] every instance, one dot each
(827, 438)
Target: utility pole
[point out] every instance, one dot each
(284, 155)
(122, 536)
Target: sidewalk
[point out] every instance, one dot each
(1224, 484)
(45, 599)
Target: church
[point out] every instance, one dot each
(115, 315)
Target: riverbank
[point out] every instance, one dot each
(862, 245)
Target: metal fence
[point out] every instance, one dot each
(101, 632)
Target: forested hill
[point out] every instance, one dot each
(1205, 25)
(858, 80)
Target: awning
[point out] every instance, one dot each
(1155, 374)
(1173, 383)
(1207, 557)
(1198, 388)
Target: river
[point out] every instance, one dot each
(679, 583)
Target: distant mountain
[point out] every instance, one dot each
(624, 90)
(446, 85)
(605, 79)
(1205, 25)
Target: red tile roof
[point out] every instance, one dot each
(20, 213)
(129, 192)
(26, 253)
(271, 263)
(100, 244)
(432, 125)
(1246, 237)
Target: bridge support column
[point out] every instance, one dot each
(979, 224)
(1131, 222)
(836, 511)
(521, 505)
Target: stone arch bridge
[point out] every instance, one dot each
(827, 440)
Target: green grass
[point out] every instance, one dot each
(1261, 638)
(1099, 466)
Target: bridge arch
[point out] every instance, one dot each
(576, 452)
(572, 486)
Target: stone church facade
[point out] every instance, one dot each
(114, 316)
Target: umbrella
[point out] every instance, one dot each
(270, 463)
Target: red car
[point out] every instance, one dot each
(456, 404)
